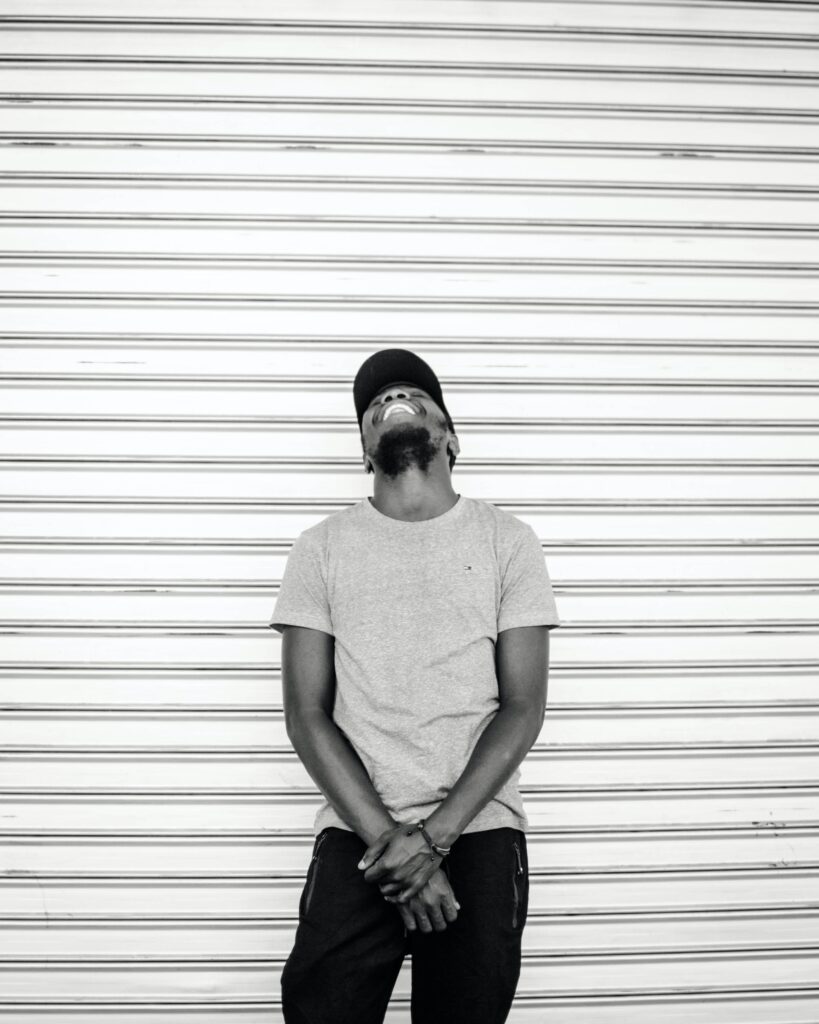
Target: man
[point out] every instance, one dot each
(415, 658)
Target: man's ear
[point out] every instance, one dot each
(453, 446)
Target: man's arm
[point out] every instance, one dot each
(309, 683)
(522, 665)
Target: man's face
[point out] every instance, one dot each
(403, 427)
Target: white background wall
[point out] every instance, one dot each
(598, 222)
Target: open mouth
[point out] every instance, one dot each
(397, 408)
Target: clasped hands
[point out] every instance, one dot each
(408, 873)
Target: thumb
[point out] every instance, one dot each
(372, 853)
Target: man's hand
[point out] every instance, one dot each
(433, 907)
(401, 863)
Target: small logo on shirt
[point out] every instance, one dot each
(467, 567)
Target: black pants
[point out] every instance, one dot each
(350, 942)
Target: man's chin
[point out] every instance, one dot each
(399, 451)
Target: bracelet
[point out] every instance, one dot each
(442, 851)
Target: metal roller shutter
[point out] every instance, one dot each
(598, 222)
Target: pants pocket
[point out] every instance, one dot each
(310, 881)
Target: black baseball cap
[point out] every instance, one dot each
(391, 366)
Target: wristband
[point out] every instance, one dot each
(442, 851)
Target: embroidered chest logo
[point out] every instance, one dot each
(467, 567)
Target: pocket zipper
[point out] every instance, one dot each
(315, 869)
(518, 872)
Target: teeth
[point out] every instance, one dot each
(395, 408)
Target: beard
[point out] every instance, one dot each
(406, 444)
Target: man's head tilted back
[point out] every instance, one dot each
(417, 426)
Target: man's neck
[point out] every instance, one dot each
(413, 503)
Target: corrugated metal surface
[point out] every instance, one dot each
(598, 222)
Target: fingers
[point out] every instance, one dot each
(448, 899)
(429, 918)
(419, 879)
(410, 914)
(407, 917)
(414, 872)
(437, 918)
(430, 909)
(449, 908)
(423, 920)
(417, 914)
(411, 892)
(429, 913)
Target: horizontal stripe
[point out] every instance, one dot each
(203, 340)
(769, 15)
(493, 28)
(769, 12)
(579, 956)
(170, 920)
(732, 426)
(619, 997)
(317, 505)
(164, 670)
(464, 462)
(403, 264)
(402, 144)
(399, 183)
(728, 871)
(675, 871)
(227, 546)
(553, 225)
(663, 385)
(283, 793)
(231, 300)
(519, 108)
(111, 585)
(665, 750)
(785, 626)
(574, 709)
(808, 828)
(483, 69)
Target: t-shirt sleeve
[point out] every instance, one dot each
(527, 598)
(302, 599)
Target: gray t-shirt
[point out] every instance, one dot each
(415, 609)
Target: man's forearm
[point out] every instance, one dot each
(337, 770)
(499, 751)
